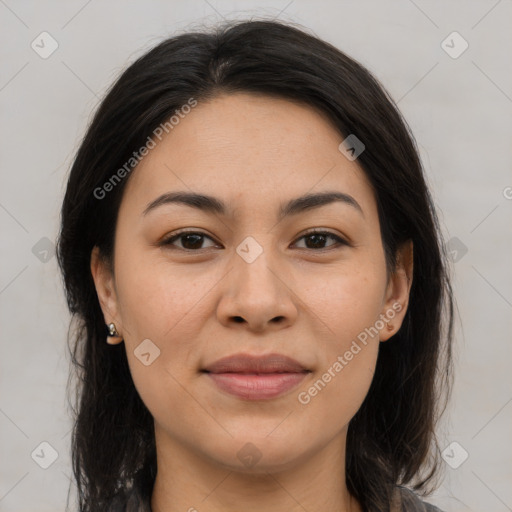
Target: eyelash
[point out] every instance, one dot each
(340, 241)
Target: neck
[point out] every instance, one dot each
(187, 482)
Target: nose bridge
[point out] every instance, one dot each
(254, 265)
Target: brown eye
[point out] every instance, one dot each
(190, 240)
(316, 240)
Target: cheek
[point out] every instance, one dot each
(335, 396)
(157, 300)
(348, 301)
(348, 304)
(162, 314)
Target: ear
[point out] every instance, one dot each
(397, 291)
(105, 289)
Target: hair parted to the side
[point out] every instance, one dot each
(391, 440)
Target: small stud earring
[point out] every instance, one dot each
(112, 331)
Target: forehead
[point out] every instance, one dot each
(247, 147)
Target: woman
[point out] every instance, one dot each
(253, 257)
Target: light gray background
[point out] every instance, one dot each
(460, 111)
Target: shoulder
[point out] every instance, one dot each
(410, 502)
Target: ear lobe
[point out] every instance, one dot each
(398, 289)
(105, 288)
(114, 340)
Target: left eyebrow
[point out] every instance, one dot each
(310, 201)
(214, 205)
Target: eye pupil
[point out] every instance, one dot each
(197, 238)
(317, 239)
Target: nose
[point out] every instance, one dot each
(256, 295)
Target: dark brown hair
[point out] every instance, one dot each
(391, 440)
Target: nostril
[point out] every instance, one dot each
(238, 319)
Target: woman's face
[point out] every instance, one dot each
(251, 281)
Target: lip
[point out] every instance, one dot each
(256, 377)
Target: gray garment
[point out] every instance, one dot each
(407, 501)
(404, 500)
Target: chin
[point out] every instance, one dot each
(261, 454)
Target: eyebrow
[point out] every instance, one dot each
(212, 204)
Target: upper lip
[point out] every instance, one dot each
(246, 363)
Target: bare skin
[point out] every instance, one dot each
(303, 297)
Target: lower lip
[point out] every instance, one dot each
(257, 387)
